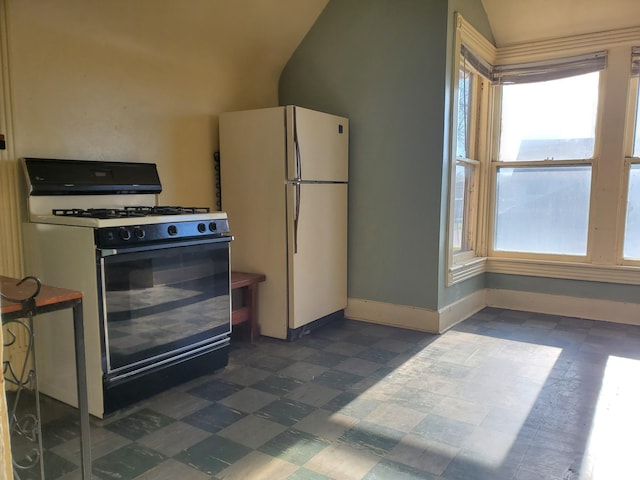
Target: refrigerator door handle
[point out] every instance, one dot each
(296, 217)
(298, 177)
(296, 147)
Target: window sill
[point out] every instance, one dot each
(623, 274)
(568, 270)
(463, 271)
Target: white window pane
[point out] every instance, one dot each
(462, 208)
(554, 120)
(543, 209)
(632, 229)
(464, 113)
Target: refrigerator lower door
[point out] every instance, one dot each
(317, 250)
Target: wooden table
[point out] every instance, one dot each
(247, 312)
(48, 300)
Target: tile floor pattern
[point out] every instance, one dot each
(504, 395)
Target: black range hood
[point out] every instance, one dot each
(47, 176)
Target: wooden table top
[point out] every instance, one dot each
(49, 298)
(243, 279)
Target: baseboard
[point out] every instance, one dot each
(403, 316)
(415, 318)
(589, 308)
(426, 320)
(461, 310)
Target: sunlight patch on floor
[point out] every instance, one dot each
(612, 446)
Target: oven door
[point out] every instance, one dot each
(163, 304)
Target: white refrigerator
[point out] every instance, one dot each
(284, 181)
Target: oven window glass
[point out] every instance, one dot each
(159, 303)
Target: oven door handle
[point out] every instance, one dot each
(108, 252)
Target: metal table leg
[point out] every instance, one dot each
(83, 402)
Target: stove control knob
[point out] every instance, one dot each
(213, 227)
(138, 232)
(172, 230)
(202, 227)
(124, 234)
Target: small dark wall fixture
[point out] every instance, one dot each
(216, 160)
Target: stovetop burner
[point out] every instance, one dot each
(128, 211)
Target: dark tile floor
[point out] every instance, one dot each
(504, 395)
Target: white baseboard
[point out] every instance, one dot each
(589, 308)
(414, 318)
(461, 310)
(426, 320)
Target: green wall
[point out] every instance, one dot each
(387, 64)
(384, 64)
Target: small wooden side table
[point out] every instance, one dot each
(247, 312)
(48, 300)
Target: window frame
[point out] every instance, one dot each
(469, 263)
(631, 129)
(495, 164)
(607, 212)
(475, 128)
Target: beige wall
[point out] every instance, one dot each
(145, 80)
(139, 80)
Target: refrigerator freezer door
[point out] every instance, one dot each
(317, 251)
(317, 146)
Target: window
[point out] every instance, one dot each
(552, 120)
(548, 189)
(631, 246)
(632, 225)
(542, 168)
(543, 209)
(466, 171)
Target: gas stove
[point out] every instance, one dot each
(155, 279)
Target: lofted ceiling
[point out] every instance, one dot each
(518, 21)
